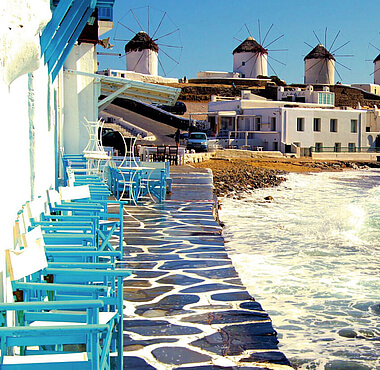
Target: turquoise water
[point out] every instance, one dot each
(311, 257)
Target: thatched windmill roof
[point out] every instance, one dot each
(141, 41)
(250, 45)
(377, 59)
(319, 52)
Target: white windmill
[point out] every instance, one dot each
(319, 66)
(320, 63)
(142, 54)
(150, 40)
(251, 57)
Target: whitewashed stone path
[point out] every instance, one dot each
(185, 306)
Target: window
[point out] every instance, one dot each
(326, 98)
(300, 124)
(368, 129)
(273, 123)
(337, 147)
(318, 147)
(243, 75)
(351, 147)
(257, 123)
(317, 124)
(275, 146)
(243, 63)
(333, 125)
(354, 125)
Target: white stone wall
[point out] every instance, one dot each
(145, 61)
(254, 64)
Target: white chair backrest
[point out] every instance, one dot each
(71, 176)
(17, 242)
(68, 193)
(29, 260)
(53, 197)
(35, 208)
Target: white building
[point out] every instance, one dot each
(294, 127)
(371, 88)
(142, 54)
(319, 66)
(250, 59)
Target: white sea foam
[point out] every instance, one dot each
(311, 258)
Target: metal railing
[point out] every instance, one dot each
(333, 149)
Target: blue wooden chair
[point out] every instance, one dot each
(50, 326)
(29, 267)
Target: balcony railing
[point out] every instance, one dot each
(332, 149)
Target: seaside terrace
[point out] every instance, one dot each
(107, 263)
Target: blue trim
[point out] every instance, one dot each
(67, 23)
(64, 34)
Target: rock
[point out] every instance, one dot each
(347, 333)
(269, 197)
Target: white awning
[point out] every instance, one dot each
(113, 87)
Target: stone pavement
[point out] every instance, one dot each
(186, 307)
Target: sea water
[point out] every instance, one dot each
(311, 257)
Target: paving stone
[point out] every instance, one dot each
(131, 344)
(137, 283)
(137, 265)
(149, 274)
(208, 255)
(209, 288)
(178, 279)
(233, 296)
(169, 305)
(145, 295)
(163, 250)
(186, 264)
(203, 249)
(132, 362)
(157, 328)
(233, 340)
(223, 273)
(213, 307)
(226, 317)
(253, 305)
(179, 355)
(273, 357)
(153, 257)
(236, 281)
(131, 249)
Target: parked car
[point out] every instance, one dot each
(178, 108)
(197, 141)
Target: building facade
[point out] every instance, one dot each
(295, 127)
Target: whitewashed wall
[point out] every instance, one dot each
(255, 64)
(319, 71)
(308, 137)
(80, 96)
(145, 61)
(26, 149)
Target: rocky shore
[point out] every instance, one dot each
(232, 177)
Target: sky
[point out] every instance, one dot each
(196, 35)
